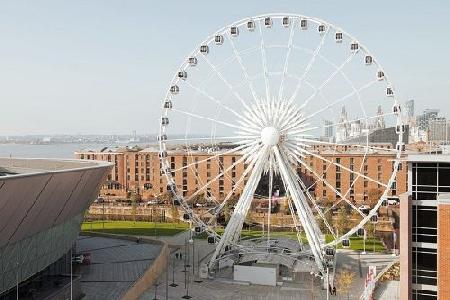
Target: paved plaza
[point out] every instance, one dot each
(225, 288)
(115, 265)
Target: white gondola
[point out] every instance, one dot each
(251, 25)
(374, 219)
(304, 24)
(360, 232)
(380, 75)
(218, 39)
(384, 203)
(211, 240)
(354, 46)
(286, 21)
(192, 61)
(338, 37)
(164, 121)
(171, 186)
(389, 92)
(329, 251)
(400, 147)
(345, 243)
(400, 128)
(234, 31)
(268, 22)
(368, 59)
(167, 170)
(163, 154)
(168, 104)
(204, 49)
(174, 89)
(186, 217)
(197, 229)
(396, 109)
(321, 29)
(182, 75)
(162, 137)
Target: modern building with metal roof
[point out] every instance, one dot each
(42, 203)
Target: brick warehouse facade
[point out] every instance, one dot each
(139, 170)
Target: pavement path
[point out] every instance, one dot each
(115, 265)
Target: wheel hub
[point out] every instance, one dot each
(270, 136)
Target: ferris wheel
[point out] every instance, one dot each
(283, 95)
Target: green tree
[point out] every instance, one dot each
(133, 198)
(342, 222)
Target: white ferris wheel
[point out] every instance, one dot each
(275, 91)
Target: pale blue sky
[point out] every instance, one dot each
(104, 66)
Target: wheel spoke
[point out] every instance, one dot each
(264, 62)
(212, 120)
(244, 70)
(286, 62)
(308, 67)
(233, 229)
(341, 99)
(204, 93)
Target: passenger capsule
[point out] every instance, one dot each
(182, 75)
(345, 243)
(396, 109)
(304, 24)
(354, 46)
(400, 146)
(389, 92)
(380, 75)
(251, 25)
(268, 22)
(174, 89)
(338, 37)
(204, 49)
(162, 137)
(286, 21)
(400, 128)
(321, 28)
(165, 121)
(368, 59)
(234, 31)
(218, 39)
(168, 104)
(192, 61)
(329, 251)
(360, 232)
(374, 219)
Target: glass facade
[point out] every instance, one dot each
(427, 181)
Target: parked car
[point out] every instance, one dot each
(152, 202)
(393, 201)
(364, 208)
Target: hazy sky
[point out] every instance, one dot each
(104, 66)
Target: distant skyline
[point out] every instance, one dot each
(103, 67)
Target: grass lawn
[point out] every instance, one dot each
(135, 228)
(356, 242)
(168, 229)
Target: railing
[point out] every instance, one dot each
(367, 294)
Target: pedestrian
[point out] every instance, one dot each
(330, 289)
(176, 255)
(181, 256)
(334, 290)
